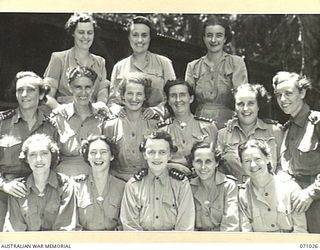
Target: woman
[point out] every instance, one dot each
(77, 120)
(50, 202)
(214, 75)
(82, 27)
(15, 127)
(157, 199)
(99, 194)
(129, 131)
(265, 200)
(215, 195)
(249, 98)
(158, 68)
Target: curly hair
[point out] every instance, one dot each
(77, 17)
(81, 71)
(142, 20)
(85, 145)
(50, 143)
(213, 20)
(159, 135)
(199, 145)
(138, 78)
(301, 82)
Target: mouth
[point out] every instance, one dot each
(285, 105)
(39, 165)
(255, 170)
(98, 163)
(82, 98)
(157, 163)
(246, 114)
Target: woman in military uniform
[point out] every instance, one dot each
(157, 198)
(216, 74)
(77, 120)
(249, 99)
(49, 203)
(266, 200)
(15, 126)
(129, 131)
(300, 151)
(99, 194)
(215, 195)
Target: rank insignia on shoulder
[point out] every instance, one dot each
(202, 118)
(270, 121)
(314, 117)
(242, 186)
(142, 173)
(231, 177)
(50, 119)
(176, 174)
(164, 123)
(7, 114)
(80, 177)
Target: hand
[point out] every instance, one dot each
(102, 108)
(302, 202)
(229, 124)
(60, 110)
(149, 113)
(15, 188)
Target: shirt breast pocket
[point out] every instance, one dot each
(114, 212)
(31, 214)
(284, 218)
(170, 210)
(10, 147)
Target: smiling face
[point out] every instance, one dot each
(27, 93)
(157, 154)
(83, 35)
(289, 98)
(99, 155)
(254, 162)
(134, 96)
(39, 156)
(204, 163)
(139, 38)
(246, 106)
(180, 100)
(214, 38)
(82, 89)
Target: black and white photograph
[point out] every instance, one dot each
(206, 124)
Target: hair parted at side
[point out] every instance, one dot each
(214, 20)
(158, 135)
(77, 17)
(301, 82)
(142, 20)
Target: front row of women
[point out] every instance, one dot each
(156, 198)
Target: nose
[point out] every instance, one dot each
(98, 154)
(253, 164)
(245, 107)
(156, 156)
(213, 38)
(139, 38)
(24, 92)
(134, 97)
(39, 158)
(178, 98)
(282, 97)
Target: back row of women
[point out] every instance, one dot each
(145, 97)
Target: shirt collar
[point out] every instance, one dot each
(52, 181)
(260, 125)
(70, 110)
(74, 59)
(302, 116)
(17, 116)
(219, 179)
(148, 56)
(163, 177)
(206, 60)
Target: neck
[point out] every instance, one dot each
(133, 115)
(297, 111)
(81, 53)
(261, 181)
(82, 110)
(41, 180)
(214, 57)
(140, 56)
(183, 117)
(209, 183)
(100, 179)
(247, 127)
(28, 114)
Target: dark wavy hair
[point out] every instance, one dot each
(259, 144)
(138, 78)
(199, 145)
(85, 145)
(142, 20)
(214, 20)
(159, 135)
(81, 71)
(44, 89)
(51, 144)
(77, 17)
(300, 81)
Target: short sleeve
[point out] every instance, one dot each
(54, 70)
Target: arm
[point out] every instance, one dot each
(230, 219)
(114, 95)
(245, 224)
(103, 93)
(240, 75)
(186, 209)
(189, 75)
(130, 210)
(14, 220)
(15, 187)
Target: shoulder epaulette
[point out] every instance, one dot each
(164, 123)
(204, 119)
(7, 114)
(242, 186)
(176, 174)
(142, 173)
(270, 121)
(80, 177)
(62, 179)
(314, 117)
(49, 118)
(231, 177)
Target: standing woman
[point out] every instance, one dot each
(215, 195)
(99, 194)
(82, 27)
(158, 68)
(266, 200)
(128, 132)
(77, 120)
(214, 75)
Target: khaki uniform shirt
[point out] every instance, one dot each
(157, 203)
(270, 210)
(213, 85)
(99, 212)
(72, 130)
(228, 142)
(128, 137)
(158, 68)
(62, 61)
(55, 209)
(217, 208)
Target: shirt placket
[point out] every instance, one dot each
(157, 203)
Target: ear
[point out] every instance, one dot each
(41, 96)
(191, 99)
(111, 158)
(144, 155)
(303, 93)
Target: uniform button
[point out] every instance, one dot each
(266, 194)
(81, 125)
(132, 151)
(157, 217)
(157, 178)
(269, 209)
(207, 214)
(273, 225)
(133, 134)
(157, 198)
(81, 139)
(211, 93)
(183, 141)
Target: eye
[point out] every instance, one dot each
(208, 161)
(93, 152)
(240, 104)
(91, 32)
(197, 161)
(88, 88)
(163, 152)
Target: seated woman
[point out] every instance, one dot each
(249, 99)
(50, 200)
(266, 200)
(157, 198)
(129, 131)
(99, 194)
(76, 121)
(215, 195)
